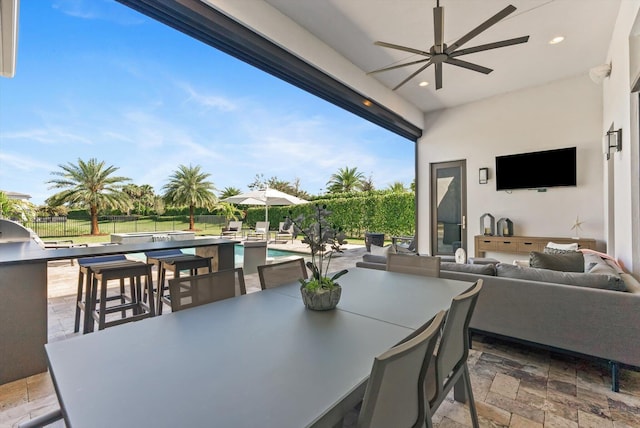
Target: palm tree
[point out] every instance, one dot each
(228, 210)
(397, 187)
(228, 192)
(346, 180)
(188, 186)
(16, 208)
(89, 185)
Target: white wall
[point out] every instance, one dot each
(620, 107)
(264, 19)
(560, 114)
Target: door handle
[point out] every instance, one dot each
(464, 222)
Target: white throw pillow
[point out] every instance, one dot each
(260, 230)
(380, 251)
(521, 263)
(570, 247)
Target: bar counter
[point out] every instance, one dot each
(23, 293)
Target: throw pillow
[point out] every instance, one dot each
(569, 262)
(233, 229)
(580, 279)
(549, 250)
(260, 230)
(376, 250)
(489, 269)
(572, 247)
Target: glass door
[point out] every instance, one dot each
(448, 207)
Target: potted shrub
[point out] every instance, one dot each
(319, 292)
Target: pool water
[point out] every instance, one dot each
(238, 251)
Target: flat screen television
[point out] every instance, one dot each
(534, 170)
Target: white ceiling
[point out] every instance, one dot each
(351, 26)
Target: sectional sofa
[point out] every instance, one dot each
(595, 313)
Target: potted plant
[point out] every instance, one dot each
(320, 292)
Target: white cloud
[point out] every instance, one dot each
(209, 101)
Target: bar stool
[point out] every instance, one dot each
(132, 270)
(154, 258)
(176, 264)
(85, 279)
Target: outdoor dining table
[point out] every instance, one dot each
(259, 359)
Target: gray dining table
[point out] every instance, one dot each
(256, 360)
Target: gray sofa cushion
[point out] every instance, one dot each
(374, 259)
(592, 280)
(489, 269)
(567, 262)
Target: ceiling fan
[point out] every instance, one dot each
(441, 53)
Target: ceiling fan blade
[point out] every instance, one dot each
(482, 27)
(420, 70)
(393, 67)
(438, 76)
(438, 28)
(468, 65)
(402, 48)
(489, 46)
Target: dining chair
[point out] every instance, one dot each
(276, 274)
(449, 365)
(394, 396)
(197, 290)
(414, 264)
(43, 420)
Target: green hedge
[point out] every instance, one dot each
(389, 213)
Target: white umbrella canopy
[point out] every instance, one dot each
(265, 197)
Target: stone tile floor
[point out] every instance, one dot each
(514, 385)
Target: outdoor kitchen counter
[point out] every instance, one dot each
(23, 293)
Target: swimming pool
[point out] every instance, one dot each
(238, 252)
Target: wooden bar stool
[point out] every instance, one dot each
(176, 264)
(85, 280)
(132, 270)
(154, 258)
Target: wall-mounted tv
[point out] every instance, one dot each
(534, 170)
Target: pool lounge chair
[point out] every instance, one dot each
(261, 231)
(233, 230)
(283, 235)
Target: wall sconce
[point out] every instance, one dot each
(614, 140)
(483, 175)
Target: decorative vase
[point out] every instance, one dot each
(321, 299)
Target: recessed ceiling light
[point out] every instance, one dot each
(367, 103)
(424, 83)
(556, 40)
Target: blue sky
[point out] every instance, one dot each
(95, 79)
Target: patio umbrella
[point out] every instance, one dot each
(265, 197)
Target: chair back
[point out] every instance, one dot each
(190, 291)
(394, 396)
(262, 226)
(235, 226)
(281, 228)
(277, 274)
(414, 265)
(453, 349)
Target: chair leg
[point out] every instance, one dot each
(76, 325)
(470, 401)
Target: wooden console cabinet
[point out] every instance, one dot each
(523, 244)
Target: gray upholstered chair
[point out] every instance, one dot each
(394, 396)
(276, 274)
(198, 290)
(415, 265)
(449, 365)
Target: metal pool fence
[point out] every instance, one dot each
(49, 227)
